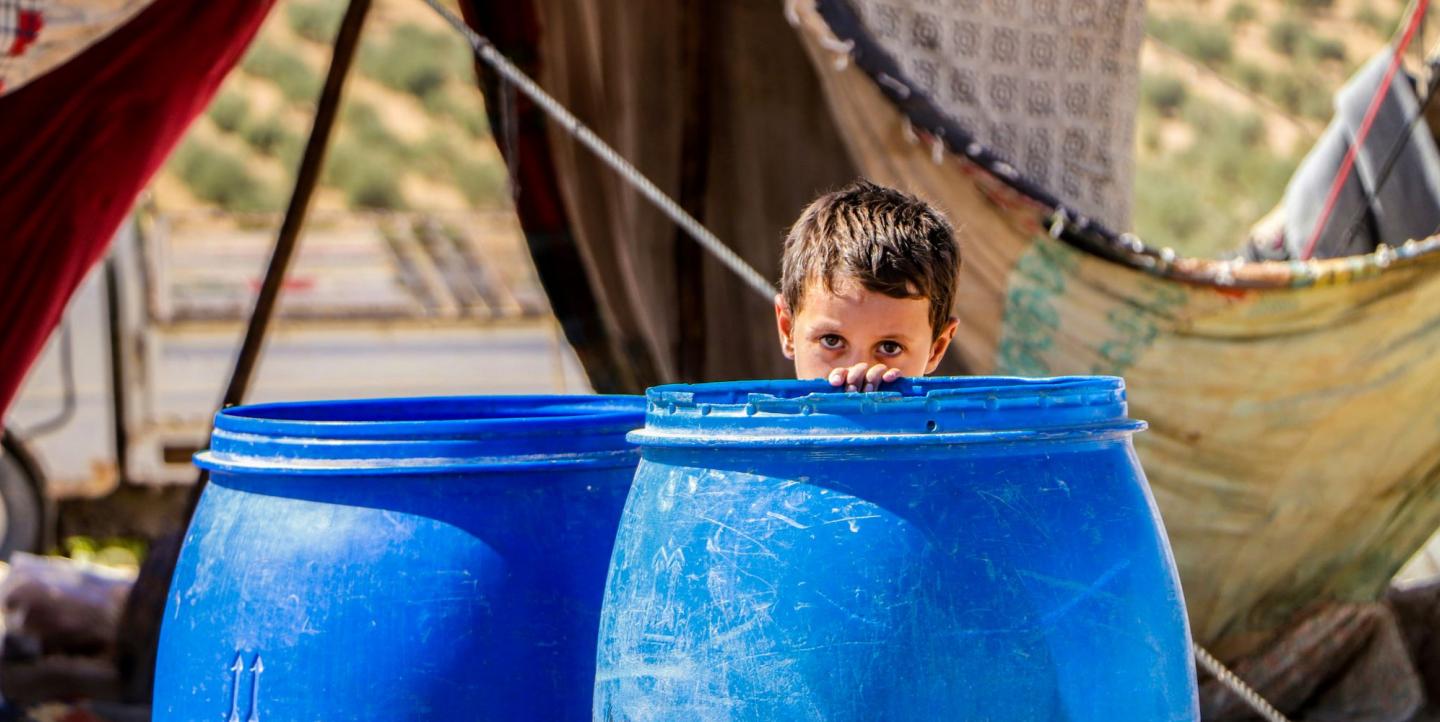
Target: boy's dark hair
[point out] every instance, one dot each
(888, 241)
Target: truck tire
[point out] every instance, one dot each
(22, 503)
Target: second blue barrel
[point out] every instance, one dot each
(408, 559)
(949, 549)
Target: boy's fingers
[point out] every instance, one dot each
(837, 377)
(855, 377)
(892, 375)
(874, 375)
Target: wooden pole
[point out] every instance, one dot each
(308, 176)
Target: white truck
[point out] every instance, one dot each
(383, 305)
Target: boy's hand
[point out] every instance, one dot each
(863, 376)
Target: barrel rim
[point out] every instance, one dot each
(431, 435)
(934, 410)
(1097, 432)
(246, 419)
(239, 464)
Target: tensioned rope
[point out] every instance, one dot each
(487, 52)
(602, 150)
(1237, 686)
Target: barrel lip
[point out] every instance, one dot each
(228, 463)
(1097, 432)
(938, 410)
(423, 435)
(306, 418)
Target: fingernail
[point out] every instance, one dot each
(851, 388)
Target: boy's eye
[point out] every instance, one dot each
(831, 341)
(890, 348)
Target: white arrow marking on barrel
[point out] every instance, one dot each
(258, 668)
(236, 668)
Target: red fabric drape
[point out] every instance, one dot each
(79, 143)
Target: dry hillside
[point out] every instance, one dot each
(1233, 93)
(412, 132)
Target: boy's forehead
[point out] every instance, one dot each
(841, 285)
(851, 304)
(845, 286)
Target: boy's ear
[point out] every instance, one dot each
(942, 342)
(784, 324)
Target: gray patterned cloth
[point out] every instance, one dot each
(1049, 85)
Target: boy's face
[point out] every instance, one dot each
(848, 326)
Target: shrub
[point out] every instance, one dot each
(1327, 49)
(1166, 93)
(1287, 35)
(315, 21)
(482, 183)
(1209, 44)
(474, 121)
(415, 60)
(218, 177)
(374, 187)
(1250, 76)
(1286, 90)
(362, 123)
(228, 110)
(1240, 13)
(370, 177)
(295, 79)
(270, 137)
(1250, 129)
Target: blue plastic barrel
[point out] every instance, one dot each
(411, 559)
(951, 549)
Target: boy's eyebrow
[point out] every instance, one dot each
(898, 337)
(826, 326)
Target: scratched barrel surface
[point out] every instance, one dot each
(398, 559)
(950, 549)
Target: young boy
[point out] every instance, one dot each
(867, 284)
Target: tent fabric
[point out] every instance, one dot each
(1406, 206)
(79, 143)
(1051, 85)
(717, 104)
(1283, 449)
(1358, 662)
(37, 36)
(1282, 397)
